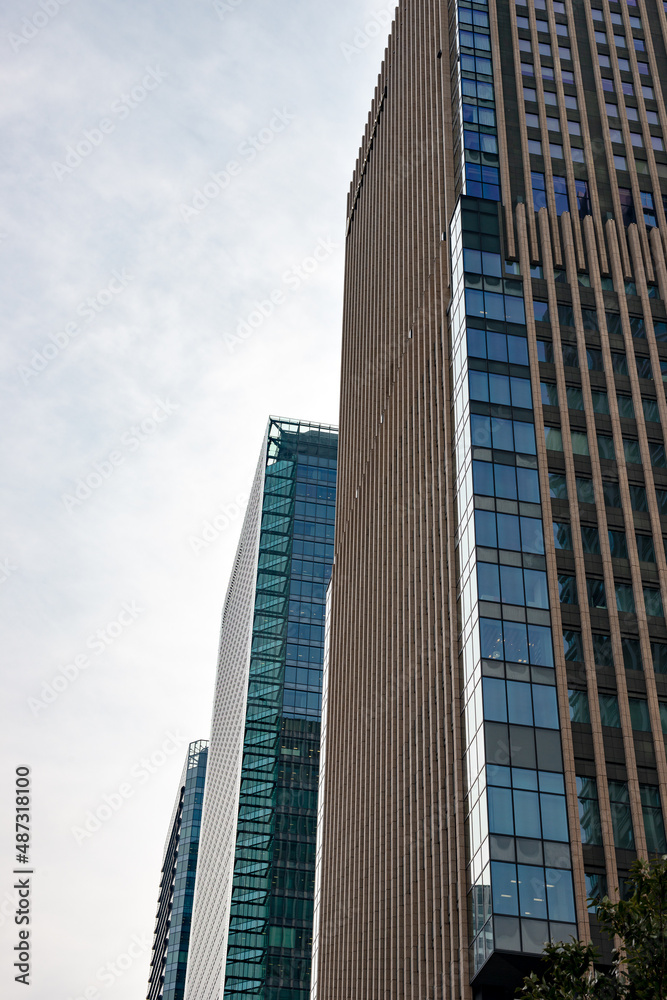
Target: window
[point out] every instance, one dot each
(596, 593)
(631, 451)
(545, 351)
(645, 548)
(596, 889)
(600, 401)
(541, 310)
(579, 441)
(657, 452)
(637, 498)
(659, 655)
(539, 191)
(620, 162)
(583, 197)
(621, 817)
(627, 206)
(562, 535)
(560, 191)
(625, 599)
(574, 650)
(535, 147)
(590, 539)
(648, 208)
(639, 716)
(585, 492)
(557, 486)
(653, 602)
(657, 143)
(625, 407)
(632, 655)
(556, 152)
(616, 135)
(549, 394)
(579, 707)
(609, 713)
(589, 811)
(606, 447)
(654, 826)
(618, 545)
(575, 398)
(651, 411)
(567, 589)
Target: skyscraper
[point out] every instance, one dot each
(177, 885)
(497, 678)
(253, 908)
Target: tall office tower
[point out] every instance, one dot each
(177, 885)
(497, 684)
(253, 912)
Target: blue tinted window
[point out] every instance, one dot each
(495, 708)
(532, 892)
(536, 589)
(504, 888)
(527, 814)
(508, 532)
(560, 895)
(500, 810)
(528, 483)
(545, 706)
(485, 528)
(554, 816)
(532, 536)
(520, 704)
(487, 582)
(512, 584)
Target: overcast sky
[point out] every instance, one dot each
(152, 318)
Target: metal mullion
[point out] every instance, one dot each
(525, 155)
(625, 126)
(586, 137)
(604, 121)
(569, 771)
(646, 131)
(544, 132)
(565, 135)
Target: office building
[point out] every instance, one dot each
(253, 908)
(497, 677)
(177, 884)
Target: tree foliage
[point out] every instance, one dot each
(638, 924)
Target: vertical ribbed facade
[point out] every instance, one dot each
(497, 670)
(253, 914)
(177, 886)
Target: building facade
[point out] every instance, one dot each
(497, 674)
(253, 910)
(177, 884)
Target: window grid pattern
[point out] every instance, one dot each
(516, 813)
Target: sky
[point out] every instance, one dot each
(172, 226)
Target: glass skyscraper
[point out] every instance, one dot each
(177, 885)
(253, 909)
(497, 673)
